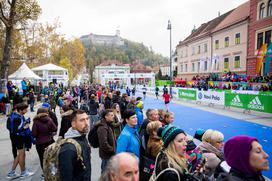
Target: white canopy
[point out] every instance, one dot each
(24, 72)
(49, 66)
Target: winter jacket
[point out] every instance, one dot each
(106, 138)
(70, 168)
(129, 141)
(43, 129)
(162, 164)
(93, 106)
(140, 117)
(116, 126)
(107, 103)
(65, 122)
(235, 175)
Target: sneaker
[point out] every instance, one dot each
(26, 173)
(12, 174)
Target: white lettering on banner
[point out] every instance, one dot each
(236, 101)
(211, 97)
(256, 104)
(185, 94)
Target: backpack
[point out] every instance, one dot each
(50, 160)
(93, 136)
(10, 121)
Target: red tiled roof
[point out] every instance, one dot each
(237, 15)
(140, 68)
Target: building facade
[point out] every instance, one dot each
(260, 30)
(217, 46)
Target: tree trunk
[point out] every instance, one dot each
(6, 57)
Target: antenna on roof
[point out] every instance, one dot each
(218, 13)
(194, 29)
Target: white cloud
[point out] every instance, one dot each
(142, 20)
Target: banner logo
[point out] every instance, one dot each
(256, 104)
(236, 101)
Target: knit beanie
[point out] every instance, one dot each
(237, 151)
(139, 104)
(168, 133)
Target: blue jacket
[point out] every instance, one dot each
(24, 84)
(140, 117)
(129, 141)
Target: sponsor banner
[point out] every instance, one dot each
(175, 91)
(211, 97)
(245, 92)
(261, 102)
(187, 94)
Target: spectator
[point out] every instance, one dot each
(69, 167)
(154, 143)
(139, 112)
(93, 110)
(65, 119)
(106, 138)
(251, 160)
(128, 140)
(121, 167)
(117, 122)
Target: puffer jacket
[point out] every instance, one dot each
(43, 128)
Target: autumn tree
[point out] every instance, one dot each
(67, 64)
(12, 14)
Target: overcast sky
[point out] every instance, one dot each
(138, 20)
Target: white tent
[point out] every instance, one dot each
(23, 72)
(49, 66)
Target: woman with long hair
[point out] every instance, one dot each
(171, 162)
(117, 122)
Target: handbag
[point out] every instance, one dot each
(147, 166)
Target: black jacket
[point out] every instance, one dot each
(65, 122)
(235, 175)
(93, 106)
(70, 168)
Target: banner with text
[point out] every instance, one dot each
(261, 102)
(211, 97)
(187, 94)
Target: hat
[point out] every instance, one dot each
(45, 105)
(236, 151)
(139, 104)
(199, 133)
(168, 133)
(138, 98)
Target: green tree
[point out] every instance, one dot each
(12, 14)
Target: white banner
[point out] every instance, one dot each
(211, 97)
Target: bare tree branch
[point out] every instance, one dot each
(2, 16)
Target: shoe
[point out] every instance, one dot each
(12, 174)
(26, 174)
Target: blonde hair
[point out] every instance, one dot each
(176, 161)
(153, 126)
(212, 136)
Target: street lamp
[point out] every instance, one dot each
(169, 27)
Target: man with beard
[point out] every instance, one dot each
(69, 166)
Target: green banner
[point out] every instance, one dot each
(164, 82)
(261, 102)
(187, 94)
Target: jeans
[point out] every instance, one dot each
(103, 165)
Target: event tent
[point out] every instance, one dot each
(23, 72)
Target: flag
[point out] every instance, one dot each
(268, 58)
(260, 57)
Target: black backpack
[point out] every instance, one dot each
(93, 136)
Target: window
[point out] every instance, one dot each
(226, 41)
(205, 47)
(206, 65)
(269, 8)
(193, 50)
(193, 67)
(237, 39)
(237, 62)
(261, 11)
(181, 68)
(267, 38)
(226, 63)
(198, 66)
(198, 50)
(186, 68)
(216, 44)
(259, 40)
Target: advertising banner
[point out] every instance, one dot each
(211, 97)
(187, 94)
(261, 102)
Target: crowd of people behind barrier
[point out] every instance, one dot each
(114, 123)
(230, 81)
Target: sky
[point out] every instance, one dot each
(143, 21)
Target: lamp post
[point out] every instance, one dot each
(169, 27)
